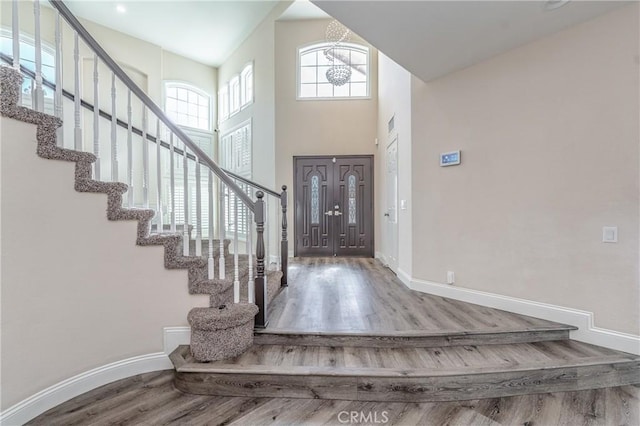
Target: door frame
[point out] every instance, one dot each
(373, 193)
(393, 265)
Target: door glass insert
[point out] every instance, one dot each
(352, 199)
(315, 199)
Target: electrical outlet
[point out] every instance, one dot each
(451, 277)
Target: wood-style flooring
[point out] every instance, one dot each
(437, 360)
(360, 295)
(150, 399)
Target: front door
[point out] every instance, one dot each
(333, 205)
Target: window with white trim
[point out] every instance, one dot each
(246, 85)
(223, 102)
(188, 106)
(27, 60)
(315, 60)
(235, 156)
(234, 95)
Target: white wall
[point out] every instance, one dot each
(317, 127)
(259, 48)
(77, 293)
(394, 100)
(549, 134)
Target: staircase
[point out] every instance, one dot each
(191, 190)
(408, 367)
(219, 289)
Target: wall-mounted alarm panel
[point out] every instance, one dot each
(450, 158)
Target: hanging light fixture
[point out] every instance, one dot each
(336, 34)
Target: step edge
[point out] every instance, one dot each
(406, 334)
(403, 373)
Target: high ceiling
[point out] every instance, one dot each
(429, 38)
(206, 31)
(433, 38)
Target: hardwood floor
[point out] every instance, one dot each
(360, 295)
(151, 399)
(435, 359)
(348, 343)
(452, 373)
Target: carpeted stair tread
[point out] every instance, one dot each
(184, 262)
(199, 283)
(96, 186)
(132, 214)
(226, 295)
(160, 239)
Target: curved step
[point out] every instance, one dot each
(406, 373)
(413, 338)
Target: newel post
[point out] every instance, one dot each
(260, 280)
(284, 244)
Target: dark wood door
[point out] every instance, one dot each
(333, 206)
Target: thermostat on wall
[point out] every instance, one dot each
(450, 158)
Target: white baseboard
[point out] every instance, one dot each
(63, 391)
(174, 337)
(405, 278)
(55, 395)
(587, 332)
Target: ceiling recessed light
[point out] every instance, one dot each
(121, 9)
(554, 4)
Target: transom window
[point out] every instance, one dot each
(315, 60)
(188, 106)
(236, 94)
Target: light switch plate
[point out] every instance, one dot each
(609, 234)
(403, 204)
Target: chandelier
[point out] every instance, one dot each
(336, 34)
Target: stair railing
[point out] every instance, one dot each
(177, 190)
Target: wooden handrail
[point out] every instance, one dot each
(121, 123)
(148, 102)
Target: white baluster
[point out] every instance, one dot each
(198, 210)
(221, 232)
(172, 183)
(236, 280)
(77, 134)
(129, 151)
(32, 90)
(96, 119)
(39, 95)
(58, 100)
(211, 262)
(145, 160)
(160, 223)
(114, 131)
(251, 283)
(185, 202)
(15, 33)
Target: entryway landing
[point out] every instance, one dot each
(348, 329)
(329, 295)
